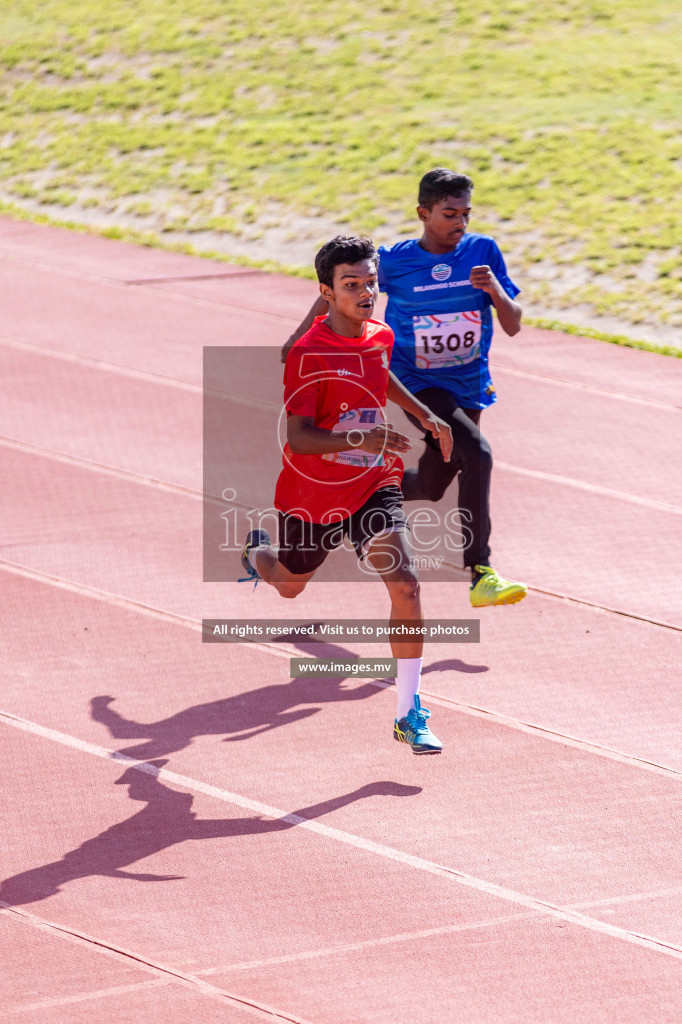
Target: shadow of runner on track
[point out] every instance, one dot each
(456, 664)
(242, 716)
(166, 819)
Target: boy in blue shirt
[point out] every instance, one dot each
(440, 289)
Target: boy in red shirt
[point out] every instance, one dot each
(341, 464)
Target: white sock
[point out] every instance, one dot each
(407, 684)
(252, 555)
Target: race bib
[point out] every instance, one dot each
(447, 339)
(362, 419)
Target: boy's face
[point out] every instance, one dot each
(445, 224)
(355, 290)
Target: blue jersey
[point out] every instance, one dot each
(443, 326)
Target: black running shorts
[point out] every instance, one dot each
(303, 546)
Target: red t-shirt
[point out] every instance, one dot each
(341, 383)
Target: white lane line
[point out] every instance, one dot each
(605, 608)
(119, 474)
(82, 997)
(353, 947)
(251, 401)
(83, 590)
(581, 601)
(260, 403)
(341, 950)
(89, 362)
(189, 492)
(101, 364)
(270, 316)
(99, 467)
(349, 839)
(542, 732)
(350, 947)
(179, 278)
(285, 652)
(154, 285)
(427, 933)
(580, 485)
(312, 954)
(213, 499)
(169, 974)
(575, 385)
(635, 897)
(99, 595)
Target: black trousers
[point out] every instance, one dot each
(471, 457)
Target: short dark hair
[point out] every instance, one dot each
(342, 249)
(440, 183)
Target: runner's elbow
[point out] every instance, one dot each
(513, 326)
(298, 445)
(296, 438)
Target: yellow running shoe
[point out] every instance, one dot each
(492, 589)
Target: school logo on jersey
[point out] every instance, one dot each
(441, 272)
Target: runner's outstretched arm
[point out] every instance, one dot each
(509, 313)
(318, 308)
(399, 394)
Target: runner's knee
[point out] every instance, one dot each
(478, 453)
(290, 590)
(485, 453)
(406, 590)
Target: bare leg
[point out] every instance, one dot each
(270, 569)
(391, 556)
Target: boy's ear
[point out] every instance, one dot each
(422, 213)
(326, 292)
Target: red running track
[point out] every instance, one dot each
(189, 833)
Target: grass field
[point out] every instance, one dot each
(257, 128)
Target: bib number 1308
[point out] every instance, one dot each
(448, 339)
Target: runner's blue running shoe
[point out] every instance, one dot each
(413, 729)
(254, 539)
